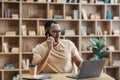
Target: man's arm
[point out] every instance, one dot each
(77, 60)
(41, 62)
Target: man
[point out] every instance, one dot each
(55, 55)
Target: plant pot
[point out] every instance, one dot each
(107, 61)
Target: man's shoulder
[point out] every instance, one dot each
(42, 44)
(65, 41)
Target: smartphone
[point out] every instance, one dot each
(47, 34)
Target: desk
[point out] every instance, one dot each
(103, 76)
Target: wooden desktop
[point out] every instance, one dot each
(103, 76)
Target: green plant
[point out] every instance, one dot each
(99, 47)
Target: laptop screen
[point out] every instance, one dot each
(91, 68)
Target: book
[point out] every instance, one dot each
(27, 63)
(116, 1)
(112, 1)
(7, 13)
(84, 14)
(99, 30)
(50, 15)
(84, 1)
(24, 66)
(28, 46)
(75, 14)
(41, 30)
(84, 30)
(5, 47)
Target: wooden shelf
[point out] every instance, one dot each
(32, 14)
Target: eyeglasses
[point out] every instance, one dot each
(56, 31)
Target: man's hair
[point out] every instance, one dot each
(48, 24)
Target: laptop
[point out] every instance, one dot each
(89, 69)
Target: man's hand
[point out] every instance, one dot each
(50, 42)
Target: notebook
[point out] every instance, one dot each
(89, 69)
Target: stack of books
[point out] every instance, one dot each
(69, 32)
(116, 63)
(9, 66)
(15, 49)
(116, 32)
(32, 33)
(10, 33)
(15, 16)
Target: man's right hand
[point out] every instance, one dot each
(50, 42)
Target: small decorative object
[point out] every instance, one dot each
(108, 14)
(95, 16)
(24, 30)
(99, 48)
(105, 32)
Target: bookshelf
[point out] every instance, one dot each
(21, 21)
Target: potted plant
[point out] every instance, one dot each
(99, 48)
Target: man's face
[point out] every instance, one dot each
(55, 31)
